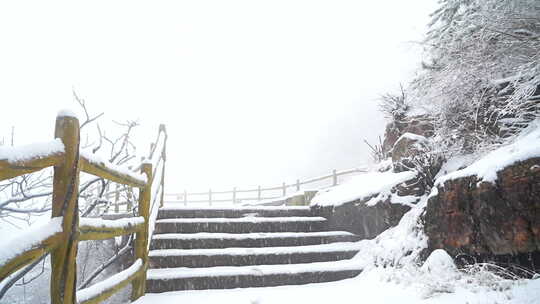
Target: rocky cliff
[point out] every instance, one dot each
(489, 221)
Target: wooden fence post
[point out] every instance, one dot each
(259, 193)
(65, 204)
(234, 195)
(210, 197)
(297, 185)
(334, 177)
(185, 197)
(141, 239)
(284, 189)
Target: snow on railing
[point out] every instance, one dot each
(16, 161)
(96, 165)
(106, 288)
(99, 229)
(14, 155)
(61, 235)
(29, 246)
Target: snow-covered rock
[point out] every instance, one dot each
(361, 187)
(368, 204)
(438, 262)
(489, 210)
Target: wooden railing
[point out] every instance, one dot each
(62, 243)
(239, 195)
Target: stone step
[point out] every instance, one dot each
(171, 258)
(271, 239)
(241, 225)
(186, 212)
(224, 277)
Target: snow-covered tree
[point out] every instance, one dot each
(482, 75)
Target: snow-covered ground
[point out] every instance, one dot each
(362, 186)
(374, 286)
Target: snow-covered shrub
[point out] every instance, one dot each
(416, 153)
(394, 106)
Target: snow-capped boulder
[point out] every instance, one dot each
(438, 262)
(406, 148)
(499, 220)
(419, 124)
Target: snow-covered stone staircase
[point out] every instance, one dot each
(246, 247)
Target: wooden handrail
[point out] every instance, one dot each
(30, 255)
(111, 285)
(11, 169)
(106, 229)
(106, 171)
(68, 163)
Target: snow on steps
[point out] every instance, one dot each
(221, 277)
(348, 246)
(241, 225)
(252, 256)
(224, 240)
(189, 212)
(215, 248)
(247, 219)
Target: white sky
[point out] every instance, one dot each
(252, 92)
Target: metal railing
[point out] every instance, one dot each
(62, 245)
(254, 194)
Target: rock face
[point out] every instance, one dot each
(391, 135)
(419, 125)
(489, 221)
(369, 216)
(365, 221)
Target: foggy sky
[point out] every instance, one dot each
(252, 92)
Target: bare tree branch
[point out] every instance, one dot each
(104, 266)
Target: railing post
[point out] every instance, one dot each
(297, 185)
(185, 197)
(334, 177)
(234, 195)
(65, 204)
(284, 189)
(259, 193)
(210, 196)
(141, 239)
(129, 205)
(116, 199)
(164, 156)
